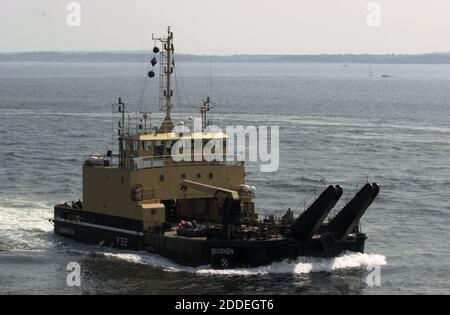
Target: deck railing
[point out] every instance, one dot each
(345, 200)
(138, 163)
(150, 193)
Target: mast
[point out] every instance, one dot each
(204, 109)
(121, 109)
(167, 71)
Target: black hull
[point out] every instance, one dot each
(224, 254)
(97, 236)
(98, 229)
(93, 229)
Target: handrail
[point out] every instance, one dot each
(150, 193)
(308, 201)
(344, 201)
(155, 124)
(145, 162)
(170, 156)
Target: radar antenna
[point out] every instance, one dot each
(204, 109)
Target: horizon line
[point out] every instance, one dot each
(223, 55)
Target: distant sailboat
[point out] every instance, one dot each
(371, 74)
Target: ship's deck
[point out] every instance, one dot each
(173, 234)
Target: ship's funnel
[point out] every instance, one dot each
(309, 222)
(347, 219)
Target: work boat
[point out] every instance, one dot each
(197, 212)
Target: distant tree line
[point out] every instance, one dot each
(132, 56)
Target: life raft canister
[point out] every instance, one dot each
(137, 192)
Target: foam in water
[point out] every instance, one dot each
(302, 265)
(22, 222)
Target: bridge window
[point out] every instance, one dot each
(159, 148)
(133, 146)
(169, 145)
(146, 145)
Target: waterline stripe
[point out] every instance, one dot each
(103, 227)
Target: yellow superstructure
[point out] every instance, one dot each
(144, 182)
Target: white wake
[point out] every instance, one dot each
(302, 265)
(23, 223)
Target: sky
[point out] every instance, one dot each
(227, 27)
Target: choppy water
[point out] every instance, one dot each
(335, 122)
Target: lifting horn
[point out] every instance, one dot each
(309, 222)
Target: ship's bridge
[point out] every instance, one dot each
(148, 150)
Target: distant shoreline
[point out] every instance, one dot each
(133, 56)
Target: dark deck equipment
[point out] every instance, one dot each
(309, 222)
(347, 219)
